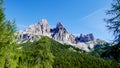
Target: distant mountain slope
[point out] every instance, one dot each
(99, 49)
(67, 56)
(59, 33)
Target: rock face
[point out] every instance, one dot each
(45, 28)
(59, 33)
(42, 28)
(85, 38)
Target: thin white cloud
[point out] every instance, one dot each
(94, 22)
(92, 14)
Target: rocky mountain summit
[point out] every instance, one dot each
(85, 38)
(42, 28)
(59, 33)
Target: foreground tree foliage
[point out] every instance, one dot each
(36, 54)
(113, 23)
(8, 57)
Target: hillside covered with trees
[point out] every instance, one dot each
(67, 55)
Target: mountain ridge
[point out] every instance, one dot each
(59, 33)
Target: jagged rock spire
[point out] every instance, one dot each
(45, 27)
(61, 34)
(59, 25)
(85, 38)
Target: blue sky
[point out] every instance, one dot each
(78, 16)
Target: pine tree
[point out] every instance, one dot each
(113, 23)
(8, 58)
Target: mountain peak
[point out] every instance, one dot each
(43, 21)
(59, 24)
(86, 38)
